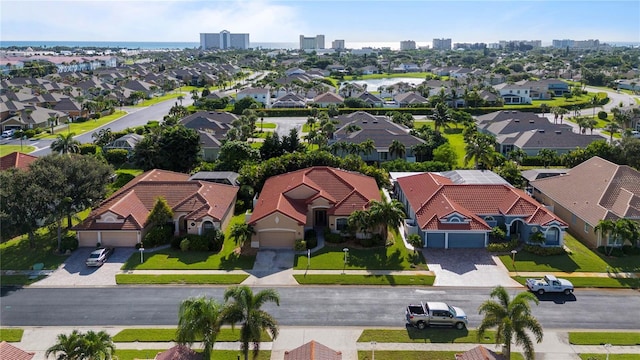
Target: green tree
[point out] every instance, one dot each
(517, 156)
(385, 214)
(243, 306)
(416, 241)
(199, 319)
(481, 149)
(79, 346)
(397, 148)
(65, 143)
(233, 154)
(513, 319)
(98, 345)
(441, 116)
(547, 156)
(445, 153)
(161, 213)
(242, 233)
(67, 347)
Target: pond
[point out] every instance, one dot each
(374, 84)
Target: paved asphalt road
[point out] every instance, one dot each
(302, 306)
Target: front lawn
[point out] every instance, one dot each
(180, 279)
(168, 334)
(344, 279)
(600, 338)
(581, 259)
(215, 354)
(172, 259)
(608, 357)
(429, 335)
(417, 355)
(11, 335)
(82, 127)
(393, 257)
(8, 149)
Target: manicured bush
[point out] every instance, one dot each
(116, 157)
(300, 245)
(87, 149)
(215, 239)
(334, 238)
(158, 235)
(81, 119)
(29, 133)
(602, 115)
(503, 246)
(311, 242)
(184, 244)
(545, 251)
(68, 242)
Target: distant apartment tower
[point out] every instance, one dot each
(576, 44)
(441, 44)
(517, 43)
(337, 44)
(407, 45)
(224, 40)
(312, 43)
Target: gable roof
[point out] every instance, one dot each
(479, 353)
(179, 352)
(312, 351)
(433, 198)
(594, 190)
(8, 351)
(328, 97)
(345, 191)
(133, 202)
(16, 160)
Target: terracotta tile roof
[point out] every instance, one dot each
(479, 353)
(10, 352)
(346, 191)
(312, 351)
(179, 352)
(135, 200)
(434, 197)
(16, 160)
(594, 190)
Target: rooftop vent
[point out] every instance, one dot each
(558, 131)
(531, 121)
(541, 130)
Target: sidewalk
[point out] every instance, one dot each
(555, 344)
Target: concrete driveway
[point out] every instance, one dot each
(467, 268)
(74, 272)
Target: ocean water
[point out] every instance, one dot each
(132, 45)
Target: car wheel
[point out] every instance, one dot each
(460, 326)
(421, 325)
(567, 291)
(540, 292)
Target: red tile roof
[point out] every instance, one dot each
(345, 191)
(16, 160)
(433, 198)
(179, 352)
(312, 351)
(10, 352)
(134, 201)
(479, 353)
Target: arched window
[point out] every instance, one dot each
(208, 225)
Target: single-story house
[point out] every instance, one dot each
(121, 220)
(328, 98)
(126, 142)
(308, 198)
(312, 350)
(16, 160)
(10, 352)
(479, 353)
(461, 215)
(595, 190)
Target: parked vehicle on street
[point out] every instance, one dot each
(435, 313)
(99, 256)
(550, 283)
(8, 133)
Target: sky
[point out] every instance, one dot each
(354, 21)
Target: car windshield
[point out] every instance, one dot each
(94, 255)
(452, 310)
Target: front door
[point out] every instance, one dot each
(320, 218)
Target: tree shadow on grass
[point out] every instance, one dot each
(376, 258)
(436, 334)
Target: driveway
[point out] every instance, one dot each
(272, 267)
(74, 272)
(467, 268)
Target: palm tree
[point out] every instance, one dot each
(544, 108)
(67, 347)
(441, 116)
(98, 346)
(199, 319)
(513, 318)
(387, 214)
(480, 148)
(245, 308)
(241, 233)
(367, 147)
(518, 155)
(65, 144)
(397, 148)
(548, 156)
(612, 128)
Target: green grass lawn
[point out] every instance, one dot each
(11, 335)
(581, 259)
(81, 128)
(172, 259)
(417, 75)
(595, 282)
(331, 257)
(417, 355)
(266, 125)
(8, 149)
(365, 280)
(18, 280)
(215, 354)
(125, 279)
(429, 335)
(453, 134)
(167, 334)
(600, 338)
(610, 357)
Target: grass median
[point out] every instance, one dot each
(345, 279)
(197, 279)
(430, 335)
(11, 335)
(608, 356)
(601, 338)
(215, 354)
(417, 355)
(169, 335)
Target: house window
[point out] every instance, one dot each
(341, 224)
(489, 218)
(587, 228)
(384, 155)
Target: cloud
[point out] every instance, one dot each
(139, 20)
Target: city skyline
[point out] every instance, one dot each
(284, 21)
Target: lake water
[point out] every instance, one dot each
(374, 84)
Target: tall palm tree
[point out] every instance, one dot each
(385, 214)
(241, 233)
(67, 347)
(66, 144)
(612, 127)
(480, 148)
(441, 116)
(245, 308)
(98, 346)
(513, 318)
(199, 319)
(397, 148)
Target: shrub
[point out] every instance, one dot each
(300, 245)
(366, 242)
(311, 242)
(196, 242)
(503, 246)
(81, 119)
(214, 238)
(545, 251)
(29, 133)
(158, 235)
(498, 233)
(184, 245)
(334, 238)
(87, 149)
(116, 157)
(377, 239)
(139, 245)
(602, 115)
(68, 242)
(311, 233)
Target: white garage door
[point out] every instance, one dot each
(119, 238)
(277, 239)
(87, 238)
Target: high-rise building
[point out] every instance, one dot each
(337, 44)
(578, 44)
(224, 40)
(407, 45)
(441, 44)
(312, 43)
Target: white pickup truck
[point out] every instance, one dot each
(550, 283)
(435, 313)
